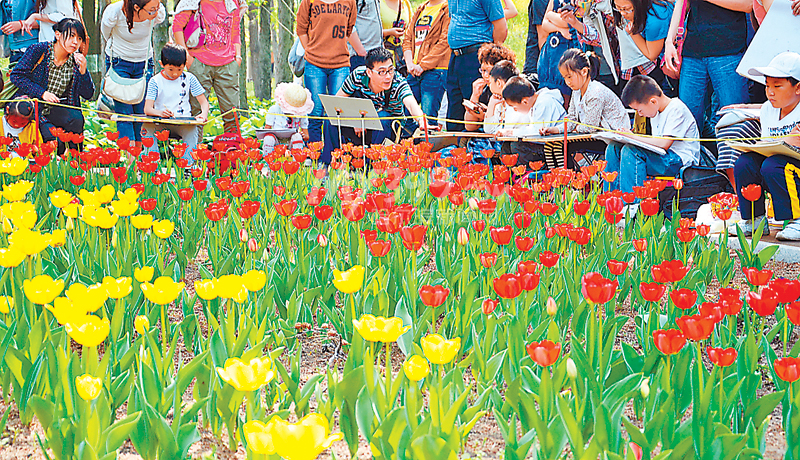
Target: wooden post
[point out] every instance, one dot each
(286, 25)
(160, 38)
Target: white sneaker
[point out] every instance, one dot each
(748, 226)
(628, 213)
(791, 232)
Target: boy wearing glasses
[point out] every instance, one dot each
(389, 91)
(168, 95)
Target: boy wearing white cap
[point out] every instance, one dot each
(778, 174)
(292, 105)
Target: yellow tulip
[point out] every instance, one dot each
(142, 221)
(259, 436)
(89, 198)
(117, 288)
(163, 228)
(66, 311)
(439, 350)
(6, 304)
(106, 193)
(98, 217)
(123, 208)
(248, 376)
(58, 238)
(89, 331)
(349, 281)
(42, 289)
(72, 210)
(141, 324)
(14, 166)
(416, 368)
(231, 287)
(26, 220)
(61, 198)
(380, 329)
(254, 280)
(17, 191)
(144, 274)
(130, 194)
(206, 289)
(163, 291)
(11, 257)
(90, 298)
(29, 242)
(303, 440)
(88, 387)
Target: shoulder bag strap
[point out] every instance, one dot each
(680, 35)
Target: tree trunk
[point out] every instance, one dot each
(160, 38)
(285, 40)
(92, 12)
(243, 67)
(265, 58)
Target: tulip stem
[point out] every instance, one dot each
(389, 404)
(721, 393)
(785, 330)
(699, 368)
(352, 308)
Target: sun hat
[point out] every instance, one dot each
(293, 99)
(784, 65)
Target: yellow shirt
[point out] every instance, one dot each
(388, 16)
(423, 26)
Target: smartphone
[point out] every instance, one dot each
(473, 107)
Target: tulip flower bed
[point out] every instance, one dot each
(141, 311)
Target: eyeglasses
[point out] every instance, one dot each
(624, 10)
(384, 72)
(152, 12)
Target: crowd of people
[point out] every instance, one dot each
(592, 62)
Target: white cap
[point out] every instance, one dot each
(784, 65)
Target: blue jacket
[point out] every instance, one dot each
(18, 10)
(30, 75)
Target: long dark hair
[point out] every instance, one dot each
(576, 60)
(68, 26)
(640, 10)
(128, 10)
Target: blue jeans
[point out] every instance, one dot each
(128, 69)
(428, 89)
(635, 164)
(462, 71)
(321, 81)
(720, 72)
(332, 140)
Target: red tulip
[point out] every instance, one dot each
(507, 286)
(612, 218)
(788, 369)
(522, 220)
(669, 271)
(248, 209)
(139, 188)
(369, 235)
(616, 267)
(703, 230)
(353, 211)
(301, 221)
(683, 298)
(614, 205)
(793, 312)
(390, 223)
(315, 196)
(526, 266)
(712, 311)
(549, 232)
(286, 207)
(488, 259)
(148, 204)
(548, 259)
(786, 290)
(379, 248)
(489, 305)
(548, 209)
(77, 180)
(487, 206)
(544, 353)
(764, 304)
(597, 289)
(652, 292)
(757, 277)
(413, 237)
(290, 167)
(580, 235)
(440, 188)
(751, 192)
(686, 235)
(323, 212)
(529, 281)
(217, 210)
(223, 183)
(433, 296)
(640, 245)
(722, 357)
(200, 185)
(649, 207)
(669, 341)
(695, 327)
(581, 207)
(523, 243)
(478, 225)
(501, 235)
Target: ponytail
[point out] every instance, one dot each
(576, 60)
(128, 10)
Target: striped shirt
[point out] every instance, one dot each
(390, 101)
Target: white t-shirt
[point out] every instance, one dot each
(677, 121)
(771, 123)
(278, 120)
(546, 112)
(13, 134)
(173, 95)
(133, 46)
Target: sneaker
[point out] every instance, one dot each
(628, 213)
(748, 226)
(308, 163)
(791, 232)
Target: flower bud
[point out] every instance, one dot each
(463, 236)
(551, 306)
(572, 369)
(322, 241)
(7, 226)
(114, 239)
(252, 245)
(645, 389)
(70, 225)
(141, 324)
(678, 184)
(489, 305)
(243, 235)
(473, 203)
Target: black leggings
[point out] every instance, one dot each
(69, 119)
